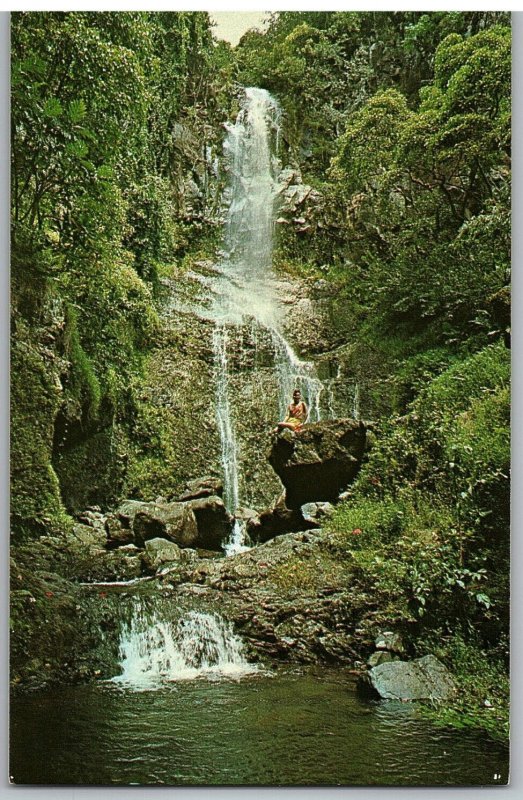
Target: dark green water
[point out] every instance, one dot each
(290, 728)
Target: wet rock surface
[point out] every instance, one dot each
(274, 521)
(290, 598)
(213, 521)
(201, 487)
(200, 521)
(158, 552)
(287, 598)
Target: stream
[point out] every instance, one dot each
(293, 727)
(188, 707)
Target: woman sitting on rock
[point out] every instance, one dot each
(297, 413)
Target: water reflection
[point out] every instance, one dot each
(294, 729)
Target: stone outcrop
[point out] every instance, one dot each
(159, 552)
(299, 202)
(274, 521)
(288, 598)
(318, 462)
(173, 521)
(291, 598)
(278, 519)
(201, 487)
(213, 521)
(422, 679)
(200, 522)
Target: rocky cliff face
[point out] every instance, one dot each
(179, 394)
(291, 599)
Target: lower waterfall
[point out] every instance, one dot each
(154, 650)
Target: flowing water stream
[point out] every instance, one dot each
(156, 649)
(189, 708)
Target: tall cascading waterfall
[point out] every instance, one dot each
(245, 290)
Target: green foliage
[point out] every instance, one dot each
(411, 552)
(96, 203)
(464, 417)
(83, 383)
(415, 216)
(455, 438)
(425, 176)
(324, 65)
(482, 700)
(35, 398)
(367, 149)
(427, 524)
(453, 445)
(304, 575)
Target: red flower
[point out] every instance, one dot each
(357, 531)
(103, 594)
(49, 594)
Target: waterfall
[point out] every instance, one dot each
(244, 291)
(224, 418)
(155, 650)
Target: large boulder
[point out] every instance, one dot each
(126, 511)
(422, 679)
(173, 521)
(200, 520)
(274, 521)
(319, 461)
(213, 521)
(159, 552)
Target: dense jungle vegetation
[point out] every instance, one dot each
(401, 122)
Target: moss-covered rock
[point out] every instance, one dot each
(36, 393)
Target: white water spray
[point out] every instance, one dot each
(155, 651)
(245, 290)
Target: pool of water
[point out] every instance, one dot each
(292, 728)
